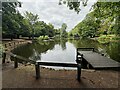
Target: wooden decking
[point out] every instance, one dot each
(98, 61)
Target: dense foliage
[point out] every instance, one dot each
(11, 19)
(15, 25)
(74, 4)
(102, 20)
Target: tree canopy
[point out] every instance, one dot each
(14, 24)
(74, 5)
(103, 19)
(11, 19)
(63, 32)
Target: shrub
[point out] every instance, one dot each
(43, 37)
(40, 38)
(1, 50)
(46, 37)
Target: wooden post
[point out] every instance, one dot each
(15, 63)
(14, 44)
(5, 45)
(76, 55)
(4, 57)
(9, 43)
(93, 49)
(37, 68)
(78, 72)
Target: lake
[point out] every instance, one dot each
(65, 50)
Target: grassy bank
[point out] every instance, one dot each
(108, 38)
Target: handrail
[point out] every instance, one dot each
(57, 64)
(37, 63)
(19, 57)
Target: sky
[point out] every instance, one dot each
(50, 12)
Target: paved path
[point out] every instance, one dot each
(24, 77)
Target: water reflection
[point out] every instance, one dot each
(35, 56)
(113, 49)
(65, 50)
(63, 43)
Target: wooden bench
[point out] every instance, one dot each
(38, 63)
(18, 58)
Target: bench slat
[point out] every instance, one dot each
(57, 64)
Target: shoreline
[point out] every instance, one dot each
(10, 45)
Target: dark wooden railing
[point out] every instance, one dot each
(17, 59)
(38, 63)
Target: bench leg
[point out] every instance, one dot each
(37, 68)
(78, 72)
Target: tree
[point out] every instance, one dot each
(10, 19)
(104, 19)
(14, 24)
(26, 28)
(87, 28)
(51, 30)
(32, 20)
(107, 13)
(74, 5)
(63, 32)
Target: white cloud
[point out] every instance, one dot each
(51, 12)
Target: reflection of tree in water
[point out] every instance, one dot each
(84, 43)
(23, 50)
(43, 47)
(113, 49)
(63, 43)
(35, 56)
(103, 51)
(33, 51)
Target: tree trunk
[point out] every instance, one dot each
(29, 37)
(11, 37)
(18, 36)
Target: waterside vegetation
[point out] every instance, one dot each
(103, 22)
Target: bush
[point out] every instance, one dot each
(40, 38)
(43, 37)
(1, 50)
(46, 37)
